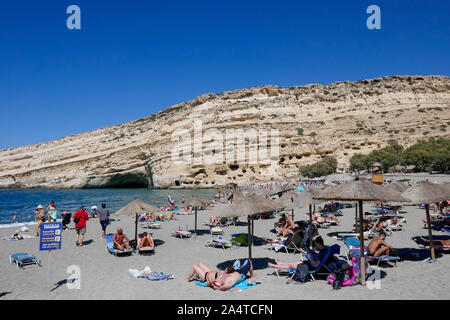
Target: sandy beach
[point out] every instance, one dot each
(104, 276)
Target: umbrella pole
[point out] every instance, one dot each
(196, 222)
(135, 231)
(250, 238)
(292, 214)
(310, 226)
(361, 244)
(356, 217)
(430, 234)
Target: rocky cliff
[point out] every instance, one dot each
(312, 121)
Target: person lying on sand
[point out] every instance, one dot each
(221, 279)
(150, 217)
(377, 246)
(121, 240)
(443, 243)
(145, 241)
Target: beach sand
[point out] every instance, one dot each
(104, 276)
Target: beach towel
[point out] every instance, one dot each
(238, 287)
(154, 276)
(242, 239)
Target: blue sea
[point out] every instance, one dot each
(23, 202)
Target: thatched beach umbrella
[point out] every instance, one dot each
(137, 206)
(397, 186)
(247, 206)
(134, 208)
(426, 192)
(280, 190)
(196, 203)
(359, 190)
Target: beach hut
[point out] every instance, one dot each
(359, 190)
(247, 206)
(426, 192)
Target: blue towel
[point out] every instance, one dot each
(241, 285)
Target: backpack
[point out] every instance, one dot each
(76, 220)
(301, 273)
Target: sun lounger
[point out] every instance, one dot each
(334, 249)
(222, 243)
(294, 244)
(353, 246)
(145, 250)
(215, 231)
(181, 234)
(110, 247)
(22, 259)
(152, 225)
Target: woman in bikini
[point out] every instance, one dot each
(203, 273)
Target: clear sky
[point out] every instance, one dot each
(133, 58)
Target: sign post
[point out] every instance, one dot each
(50, 239)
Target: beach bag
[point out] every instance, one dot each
(76, 220)
(352, 275)
(301, 273)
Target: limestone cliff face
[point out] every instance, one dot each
(313, 121)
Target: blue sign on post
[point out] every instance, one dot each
(50, 238)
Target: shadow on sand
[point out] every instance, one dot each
(258, 263)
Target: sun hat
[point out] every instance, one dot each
(40, 207)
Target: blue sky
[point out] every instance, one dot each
(133, 58)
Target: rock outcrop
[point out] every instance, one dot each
(313, 121)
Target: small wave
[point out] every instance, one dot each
(20, 224)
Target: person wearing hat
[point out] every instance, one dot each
(39, 217)
(94, 212)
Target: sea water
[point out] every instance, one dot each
(23, 203)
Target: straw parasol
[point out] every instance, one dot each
(196, 202)
(426, 192)
(280, 190)
(137, 206)
(397, 186)
(134, 208)
(359, 190)
(247, 206)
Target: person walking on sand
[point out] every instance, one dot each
(80, 219)
(103, 214)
